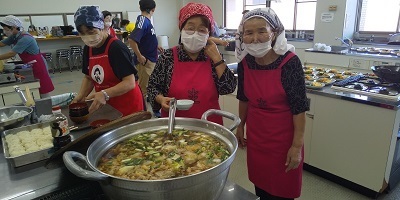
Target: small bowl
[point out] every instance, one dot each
(100, 122)
(78, 109)
(184, 104)
(79, 120)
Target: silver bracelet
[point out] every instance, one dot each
(105, 95)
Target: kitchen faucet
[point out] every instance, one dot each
(348, 44)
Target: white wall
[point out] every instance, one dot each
(326, 32)
(343, 24)
(165, 17)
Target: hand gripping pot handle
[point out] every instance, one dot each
(71, 165)
(234, 118)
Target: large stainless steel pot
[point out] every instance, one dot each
(206, 185)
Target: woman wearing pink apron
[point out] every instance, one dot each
(201, 89)
(194, 70)
(107, 65)
(272, 106)
(26, 47)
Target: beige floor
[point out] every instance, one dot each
(314, 187)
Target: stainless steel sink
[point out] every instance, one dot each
(334, 50)
(338, 49)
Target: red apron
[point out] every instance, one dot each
(39, 69)
(270, 132)
(112, 33)
(103, 77)
(194, 80)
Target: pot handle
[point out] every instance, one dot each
(71, 165)
(234, 118)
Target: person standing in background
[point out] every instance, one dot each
(28, 50)
(128, 26)
(192, 70)
(108, 22)
(272, 105)
(107, 66)
(143, 41)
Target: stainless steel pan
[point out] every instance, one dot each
(205, 185)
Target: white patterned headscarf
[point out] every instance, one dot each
(280, 47)
(11, 20)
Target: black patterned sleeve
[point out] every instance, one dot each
(226, 84)
(240, 92)
(294, 85)
(160, 79)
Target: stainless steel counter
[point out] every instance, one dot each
(34, 180)
(355, 53)
(327, 91)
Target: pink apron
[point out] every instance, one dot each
(103, 77)
(194, 80)
(270, 132)
(39, 69)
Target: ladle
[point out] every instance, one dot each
(171, 118)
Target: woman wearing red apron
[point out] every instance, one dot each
(194, 70)
(107, 65)
(26, 47)
(108, 23)
(272, 105)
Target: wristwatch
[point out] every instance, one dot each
(218, 63)
(105, 95)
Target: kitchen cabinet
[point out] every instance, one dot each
(353, 141)
(308, 128)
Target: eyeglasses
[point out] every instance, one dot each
(190, 30)
(262, 35)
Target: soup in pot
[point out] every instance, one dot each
(148, 156)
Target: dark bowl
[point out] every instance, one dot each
(78, 106)
(79, 120)
(98, 123)
(78, 113)
(388, 73)
(78, 109)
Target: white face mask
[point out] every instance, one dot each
(8, 33)
(258, 50)
(91, 40)
(193, 43)
(107, 24)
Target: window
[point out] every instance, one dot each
(234, 9)
(376, 16)
(296, 14)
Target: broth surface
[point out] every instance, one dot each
(148, 156)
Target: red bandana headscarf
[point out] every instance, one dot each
(192, 9)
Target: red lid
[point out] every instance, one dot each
(56, 108)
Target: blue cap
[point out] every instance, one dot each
(89, 16)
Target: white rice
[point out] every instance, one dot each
(29, 141)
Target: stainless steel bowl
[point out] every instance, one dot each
(14, 123)
(205, 185)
